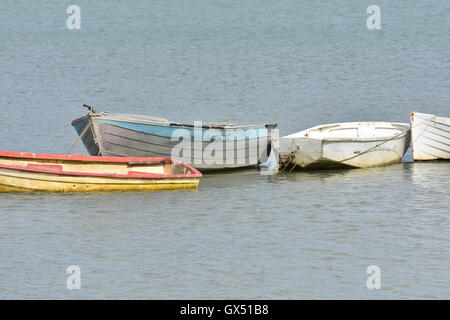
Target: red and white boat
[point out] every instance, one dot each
(78, 173)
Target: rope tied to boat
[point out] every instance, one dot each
(392, 138)
(377, 145)
(419, 124)
(289, 162)
(80, 136)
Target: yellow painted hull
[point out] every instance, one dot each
(25, 172)
(23, 181)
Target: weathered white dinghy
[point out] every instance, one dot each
(430, 136)
(348, 144)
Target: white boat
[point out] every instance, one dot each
(430, 136)
(348, 144)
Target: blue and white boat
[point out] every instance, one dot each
(204, 145)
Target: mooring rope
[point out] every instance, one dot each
(81, 135)
(426, 120)
(377, 145)
(395, 136)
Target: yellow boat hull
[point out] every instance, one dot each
(13, 181)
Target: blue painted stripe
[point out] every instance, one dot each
(79, 126)
(168, 132)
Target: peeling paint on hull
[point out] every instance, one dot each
(10, 180)
(348, 148)
(143, 136)
(53, 173)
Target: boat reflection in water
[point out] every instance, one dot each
(429, 176)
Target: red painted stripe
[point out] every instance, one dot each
(74, 157)
(52, 167)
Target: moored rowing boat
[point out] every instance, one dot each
(207, 146)
(77, 173)
(430, 136)
(348, 144)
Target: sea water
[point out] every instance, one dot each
(241, 235)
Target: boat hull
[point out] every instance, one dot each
(430, 137)
(14, 181)
(339, 152)
(205, 148)
(30, 172)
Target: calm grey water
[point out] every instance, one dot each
(241, 235)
